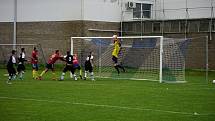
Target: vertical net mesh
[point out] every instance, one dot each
(141, 57)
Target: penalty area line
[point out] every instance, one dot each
(106, 106)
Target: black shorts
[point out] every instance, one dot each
(88, 67)
(68, 68)
(11, 70)
(115, 59)
(50, 66)
(21, 67)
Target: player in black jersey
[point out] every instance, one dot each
(89, 66)
(21, 66)
(11, 67)
(69, 66)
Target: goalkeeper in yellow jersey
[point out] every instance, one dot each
(115, 53)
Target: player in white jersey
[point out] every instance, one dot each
(21, 66)
(11, 67)
(89, 66)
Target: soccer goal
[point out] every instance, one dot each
(152, 58)
(5, 52)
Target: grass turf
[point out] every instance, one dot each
(106, 100)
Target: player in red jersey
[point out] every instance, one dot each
(76, 66)
(34, 62)
(50, 65)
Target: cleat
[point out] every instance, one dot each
(85, 78)
(39, 78)
(124, 70)
(9, 82)
(93, 80)
(54, 79)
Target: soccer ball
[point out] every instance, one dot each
(114, 36)
(213, 81)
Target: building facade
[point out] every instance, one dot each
(53, 22)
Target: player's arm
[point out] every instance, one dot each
(61, 57)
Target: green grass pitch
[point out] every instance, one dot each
(106, 100)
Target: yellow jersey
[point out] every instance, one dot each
(116, 49)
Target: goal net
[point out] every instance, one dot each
(144, 57)
(5, 52)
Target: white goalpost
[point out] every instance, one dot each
(152, 58)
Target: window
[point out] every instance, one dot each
(142, 10)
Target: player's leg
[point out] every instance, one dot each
(86, 70)
(72, 71)
(48, 66)
(91, 73)
(121, 67)
(63, 73)
(35, 71)
(21, 69)
(13, 73)
(53, 72)
(10, 75)
(115, 64)
(80, 71)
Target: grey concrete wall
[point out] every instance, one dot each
(177, 29)
(56, 35)
(53, 35)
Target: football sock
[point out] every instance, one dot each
(74, 76)
(62, 76)
(71, 75)
(42, 73)
(33, 74)
(21, 74)
(80, 73)
(14, 77)
(85, 74)
(91, 76)
(121, 67)
(116, 67)
(9, 77)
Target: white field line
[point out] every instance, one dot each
(131, 86)
(126, 78)
(106, 106)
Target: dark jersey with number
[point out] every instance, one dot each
(22, 58)
(69, 59)
(11, 61)
(88, 60)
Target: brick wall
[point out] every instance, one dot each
(56, 35)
